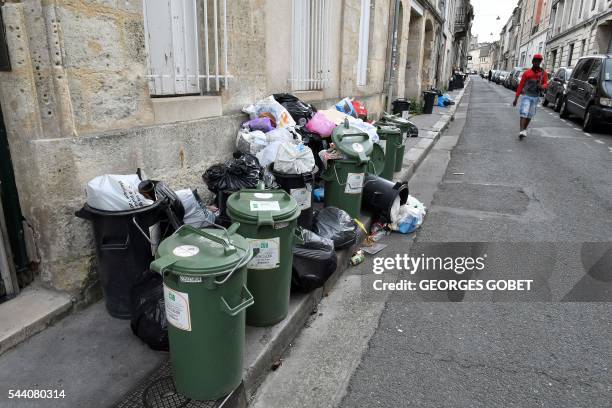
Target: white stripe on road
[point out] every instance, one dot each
(599, 141)
(588, 134)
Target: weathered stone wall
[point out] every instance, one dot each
(77, 105)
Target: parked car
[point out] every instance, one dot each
(589, 92)
(514, 78)
(495, 75)
(556, 88)
(502, 77)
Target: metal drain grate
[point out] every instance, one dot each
(158, 391)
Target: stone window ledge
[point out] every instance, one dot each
(185, 108)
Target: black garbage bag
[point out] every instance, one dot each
(313, 241)
(241, 171)
(149, 322)
(337, 225)
(300, 111)
(313, 262)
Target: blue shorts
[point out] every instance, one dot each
(528, 106)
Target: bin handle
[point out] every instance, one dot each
(161, 264)
(144, 234)
(265, 218)
(233, 311)
(227, 245)
(112, 247)
(229, 275)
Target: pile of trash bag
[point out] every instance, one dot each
(313, 261)
(241, 171)
(337, 225)
(148, 321)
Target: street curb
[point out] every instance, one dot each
(415, 155)
(283, 333)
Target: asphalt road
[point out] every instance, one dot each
(542, 208)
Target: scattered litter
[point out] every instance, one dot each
(357, 258)
(374, 248)
(409, 217)
(276, 364)
(458, 174)
(400, 330)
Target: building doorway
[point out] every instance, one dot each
(14, 265)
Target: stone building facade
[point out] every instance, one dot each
(533, 29)
(81, 99)
(578, 28)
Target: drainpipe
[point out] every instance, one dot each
(393, 55)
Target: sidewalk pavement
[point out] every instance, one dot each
(97, 361)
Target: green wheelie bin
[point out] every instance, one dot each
(407, 128)
(344, 178)
(391, 140)
(267, 219)
(205, 296)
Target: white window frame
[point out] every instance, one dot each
(310, 44)
(179, 61)
(364, 43)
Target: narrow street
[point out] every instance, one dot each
(552, 192)
(534, 202)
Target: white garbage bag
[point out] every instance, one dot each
(270, 108)
(115, 192)
(268, 154)
(408, 217)
(195, 214)
(294, 159)
(251, 142)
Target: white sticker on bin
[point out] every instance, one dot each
(263, 195)
(265, 206)
(302, 196)
(268, 256)
(354, 183)
(383, 143)
(190, 279)
(186, 250)
(177, 309)
(358, 147)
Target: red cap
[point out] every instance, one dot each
(538, 57)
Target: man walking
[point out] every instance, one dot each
(532, 83)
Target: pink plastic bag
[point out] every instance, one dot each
(320, 124)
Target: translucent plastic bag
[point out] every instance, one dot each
(112, 192)
(337, 225)
(269, 108)
(294, 159)
(320, 124)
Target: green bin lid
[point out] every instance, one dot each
(352, 141)
(262, 207)
(388, 119)
(387, 129)
(202, 252)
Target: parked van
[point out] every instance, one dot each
(589, 92)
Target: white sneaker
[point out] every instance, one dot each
(522, 134)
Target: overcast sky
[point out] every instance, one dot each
(485, 17)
